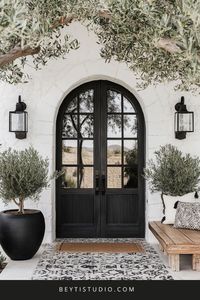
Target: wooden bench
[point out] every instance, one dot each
(175, 241)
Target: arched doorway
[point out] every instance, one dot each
(100, 143)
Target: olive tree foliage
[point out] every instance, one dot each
(23, 175)
(158, 39)
(172, 172)
(34, 27)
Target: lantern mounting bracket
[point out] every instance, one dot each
(180, 106)
(20, 106)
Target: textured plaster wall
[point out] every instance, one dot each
(46, 90)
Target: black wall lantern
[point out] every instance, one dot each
(184, 120)
(18, 120)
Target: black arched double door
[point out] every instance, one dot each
(100, 146)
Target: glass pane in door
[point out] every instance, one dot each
(72, 106)
(70, 126)
(86, 101)
(114, 126)
(130, 126)
(69, 152)
(127, 106)
(69, 178)
(131, 177)
(114, 152)
(114, 102)
(86, 177)
(87, 152)
(114, 177)
(86, 125)
(130, 151)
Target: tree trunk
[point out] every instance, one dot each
(21, 205)
(163, 203)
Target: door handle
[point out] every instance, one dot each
(103, 182)
(97, 182)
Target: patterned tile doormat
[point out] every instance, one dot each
(101, 247)
(61, 265)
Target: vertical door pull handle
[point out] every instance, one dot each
(97, 182)
(103, 181)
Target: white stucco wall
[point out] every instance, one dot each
(46, 90)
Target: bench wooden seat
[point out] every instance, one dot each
(177, 241)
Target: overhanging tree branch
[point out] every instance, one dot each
(105, 13)
(64, 20)
(16, 53)
(168, 45)
(127, 32)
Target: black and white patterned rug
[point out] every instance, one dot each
(57, 265)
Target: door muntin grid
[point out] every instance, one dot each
(122, 142)
(78, 142)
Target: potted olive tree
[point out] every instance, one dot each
(176, 176)
(23, 175)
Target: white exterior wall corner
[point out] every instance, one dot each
(46, 91)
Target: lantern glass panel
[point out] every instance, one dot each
(185, 122)
(176, 122)
(19, 122)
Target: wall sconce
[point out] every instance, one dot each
(18, 120)
(184, 120)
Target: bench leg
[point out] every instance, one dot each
(196, 262)
(174, 262)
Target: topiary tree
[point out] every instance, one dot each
(172, 172)
(23, 175)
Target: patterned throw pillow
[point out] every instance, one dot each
(170, 204)
(187, 215)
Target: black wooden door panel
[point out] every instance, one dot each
(121, 209)
(72, 215)
(100, 146)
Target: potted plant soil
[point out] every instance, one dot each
(23, 175)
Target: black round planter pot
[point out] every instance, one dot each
(21, 234)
